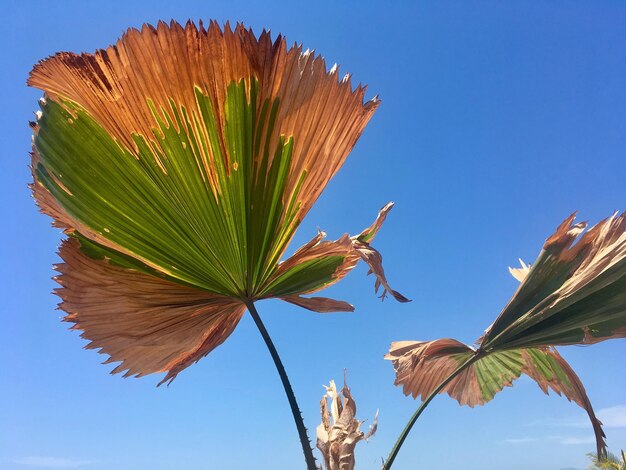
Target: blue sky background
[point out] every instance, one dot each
(498, 120)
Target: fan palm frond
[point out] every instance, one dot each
(185, 158)
(180, 162)
(574, 293)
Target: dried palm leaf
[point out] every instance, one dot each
(340, 431)
(574, 293)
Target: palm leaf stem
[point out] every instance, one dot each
(293, 404)
(407, 429)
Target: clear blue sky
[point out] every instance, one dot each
(497, 121)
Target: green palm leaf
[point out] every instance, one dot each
(609, 462)
(574, 293)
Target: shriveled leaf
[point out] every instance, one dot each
(375, 262)
(339, 432)
(319, 263)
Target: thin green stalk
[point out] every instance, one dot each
(407, 429)
(297, 416)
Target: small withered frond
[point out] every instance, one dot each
(339, 432)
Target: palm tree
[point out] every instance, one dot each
(180, 162)
(610, 462)
(574, 293)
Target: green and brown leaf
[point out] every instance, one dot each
(574, 293)
(183, 159)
